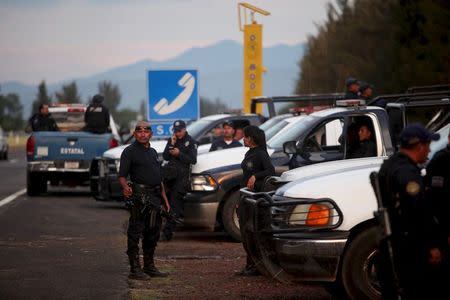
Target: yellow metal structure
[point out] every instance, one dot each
(253, 54)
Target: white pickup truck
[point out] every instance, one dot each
(319, 225)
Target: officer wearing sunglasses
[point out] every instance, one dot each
(145, 194)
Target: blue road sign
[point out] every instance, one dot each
(172, 95)
(161, 130)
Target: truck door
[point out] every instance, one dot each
(322, 143)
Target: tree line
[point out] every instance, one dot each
(392, 44)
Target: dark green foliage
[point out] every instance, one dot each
(112, 95)
(68, 94)
(42, 97)
(10, 112)
(392, 44)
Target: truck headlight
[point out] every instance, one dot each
(203, 183)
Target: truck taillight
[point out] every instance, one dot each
(30, 146)
(113, 143)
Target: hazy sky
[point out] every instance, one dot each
(62, 39)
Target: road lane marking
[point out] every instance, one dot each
(12, 197)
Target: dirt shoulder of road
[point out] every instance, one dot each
(202, 266)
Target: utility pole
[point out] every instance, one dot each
(253, 54)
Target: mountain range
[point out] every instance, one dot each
(219, 67)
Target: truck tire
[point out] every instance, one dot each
(229, 216)
(36, 184)
(358, 270)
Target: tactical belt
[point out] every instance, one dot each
(145, 187)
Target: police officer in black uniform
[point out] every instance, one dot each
(352, 88)
(43, 121)
(227, 141)
(181, 153)
(437, 182)
(96, 116)
(256, 166)
(145, 194)
(365, 91)
(413, 231)
(366, 147)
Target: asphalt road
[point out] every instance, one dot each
(63, 245)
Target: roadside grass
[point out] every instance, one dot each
(17, 141)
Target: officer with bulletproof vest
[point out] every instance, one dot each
(96, 116)
(227, 141)
(144, 195)
(403, 271)
(352, 88)
(180, 153)
(437, 182)
(43, 121)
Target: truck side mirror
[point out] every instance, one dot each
(290, 147)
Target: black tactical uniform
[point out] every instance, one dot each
(220, 144)
(43, 122)
(403, 195)
(256, 162)
(141, 164)
(96, 116)
(438, 193)
(178, 184)
(349, 94)
(366, 148)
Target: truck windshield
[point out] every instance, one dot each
(293, 133)
(69, 121)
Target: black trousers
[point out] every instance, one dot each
(143, 224)
(177, 208)
(240, 211)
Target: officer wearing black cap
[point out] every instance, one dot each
(437, 182)
(227, 141)
(352, 88)
(181, 153)
(365, 91)
(96, 116)
(145, 194)
(413, 228)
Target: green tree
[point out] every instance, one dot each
(124, 117)
(42, 97)
(11, 112)
(68, 94)
(112, 95)
(392, 44)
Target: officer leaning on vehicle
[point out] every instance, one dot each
(227, 141)
(181, 153)
(413, 241)
(96, 116)
(145, 194)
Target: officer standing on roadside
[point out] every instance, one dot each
(352, 88)
(227, 141)
(413, 231)
(96, 116)
(181, 153)
(146, 194)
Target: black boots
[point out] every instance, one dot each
(135, 269)
(149, 267)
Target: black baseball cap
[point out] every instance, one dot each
(178, 125)
(416, 133)
(364, 86)
(350, 81)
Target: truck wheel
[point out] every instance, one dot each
(229, 216)
(358, 266)
(33, 184)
